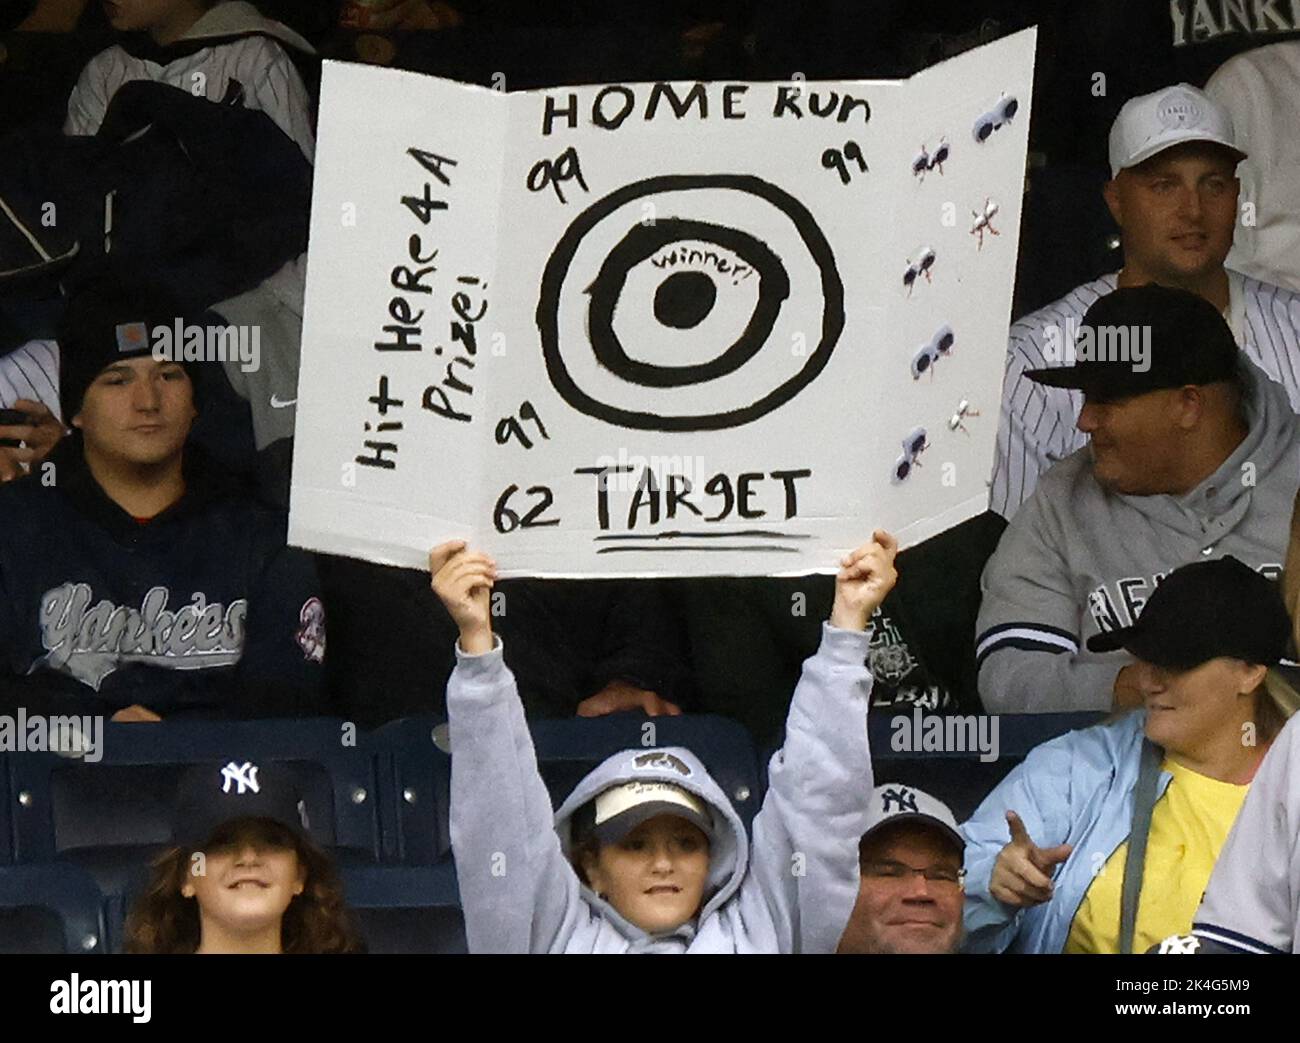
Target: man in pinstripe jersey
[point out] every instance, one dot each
(1175, 197)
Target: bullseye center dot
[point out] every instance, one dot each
(684, 299)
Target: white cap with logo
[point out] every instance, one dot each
(620, 809)
(896, 802)
(1154, 122)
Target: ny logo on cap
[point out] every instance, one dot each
(244, 776)
(900, 795)
(661, 760)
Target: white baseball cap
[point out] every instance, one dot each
(896, 802)
(620, 809)
(1154, 122)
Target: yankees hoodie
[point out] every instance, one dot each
(1078, 559)
(201, 611)
(789, 889)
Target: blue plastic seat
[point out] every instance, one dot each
(406, 909)
(959, 777)
(6, 814)
(568, 749)
(112, 816)
(416, 768)
(51, 908)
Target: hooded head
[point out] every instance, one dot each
(654, 839)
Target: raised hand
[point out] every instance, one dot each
(463, 580)
(866, 575)
(1022, 874)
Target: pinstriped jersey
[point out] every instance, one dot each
(1037, 424)
(31, 372)
(1252, 902)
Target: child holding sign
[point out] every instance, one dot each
(647, 854)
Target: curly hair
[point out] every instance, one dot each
(163, 920)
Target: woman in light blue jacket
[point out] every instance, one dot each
(1043, 868)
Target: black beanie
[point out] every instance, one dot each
(106, 322)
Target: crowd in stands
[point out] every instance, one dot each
(1141, 557)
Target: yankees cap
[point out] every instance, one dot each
(618, 810)
(210, 795)
(895, 802)
(1151, 123)
(1186, 341)
(1203, 611)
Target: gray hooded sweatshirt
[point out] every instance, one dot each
(1078, 559)
(791, 890)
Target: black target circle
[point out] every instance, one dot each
(796, 294)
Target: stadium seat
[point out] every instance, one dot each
(405, 909)
(6, 813)
(112, 816)
(415, 789)
(52, 908)
(416, 768)
(958, 778)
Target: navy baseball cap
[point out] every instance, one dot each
(211, 795)
(1205, 610)
(1182, 335)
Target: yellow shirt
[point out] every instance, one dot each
(1188, 827)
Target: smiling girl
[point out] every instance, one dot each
(243, 877)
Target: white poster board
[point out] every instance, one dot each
(657, 329)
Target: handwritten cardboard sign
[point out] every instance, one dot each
(657, 328)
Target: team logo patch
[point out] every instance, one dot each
(131, 336)
(311, 634)
(1180, 945)
(88, 640)
(1179, 109)
(659, 759)
(242, 776)
(901, 797)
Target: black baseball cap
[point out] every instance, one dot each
(1205, 610)
(211, 795)
(1185, 340)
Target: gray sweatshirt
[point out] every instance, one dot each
(791, 890)
(1077, 559)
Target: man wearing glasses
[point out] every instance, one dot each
(911, 891)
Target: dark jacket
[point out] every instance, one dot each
(201, 611)
(206, 202)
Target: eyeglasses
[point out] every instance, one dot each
(964, 410)
(984, 222)
(921, 266)
(928, 354)
(898, 872)
(925, 162)
(913, 445)
(1002, 113)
